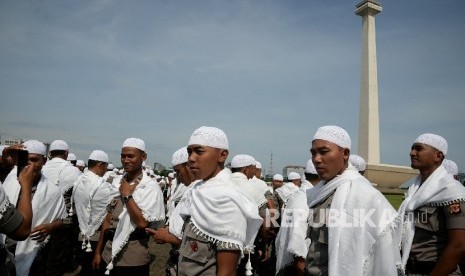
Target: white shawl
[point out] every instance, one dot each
(261, 185)
(249, 188)
(61, 173)
(175, 221)
(292, 240)
(149, 199)
(91, 195)
(48, 205)
(221, 213)
(439, 189)
(175, 197)
(286, 190)
(361, 226)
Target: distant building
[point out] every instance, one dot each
(10, 141)
(158, 167)
(298, 169)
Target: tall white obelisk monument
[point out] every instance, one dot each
(368, 140)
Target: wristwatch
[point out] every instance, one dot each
(125, 199)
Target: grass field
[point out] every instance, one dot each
(395, 200)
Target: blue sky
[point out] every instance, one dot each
(269, 73)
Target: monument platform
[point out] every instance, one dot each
(388, 178)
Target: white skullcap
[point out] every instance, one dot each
(110, 166)
(180, 156)
(334, 134)
(115, 170)
(2, 147)
(80, 163)
(293, 176)
(358, 162)
(310, 168)
(242, 160)
(58, 145)
(278, 177)
(99, 155)
(34, 146)
(171, 175)
(210, 137)
(451, 167)
(134, 143)
(258, 165)
(71, 157)
(434, 140)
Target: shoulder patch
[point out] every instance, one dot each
(455, 209)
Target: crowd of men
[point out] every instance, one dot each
(58, 214)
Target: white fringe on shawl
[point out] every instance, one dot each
(149, 198)
(439, 189)
(48, 205)
(91, 196)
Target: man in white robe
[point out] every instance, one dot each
(91, 195)
(48, 210)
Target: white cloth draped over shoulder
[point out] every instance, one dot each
(149, 198)
(61, 173)
(292, 240)
(175, 197)
(439, 189)
(286, 190)
(361, 226)
(91, 196)
(221, 213)
(48, 205)
(261, 185)
(249, 188)
(175, 221)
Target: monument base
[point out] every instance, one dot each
(388, 178)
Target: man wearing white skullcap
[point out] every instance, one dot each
(434, 246)
(358, 162)
(172, 233)
(243, 169)
(48, 210)
(357, 246)
(60, 171)
(220, 221)
(91, 195)
(72, 158)
(311, 175)
(277, 181)
(15, 223)
(123, 243)
(452, 168)
(265, 247)
(110, 174)
(80, 165)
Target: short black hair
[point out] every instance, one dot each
(92, 163)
